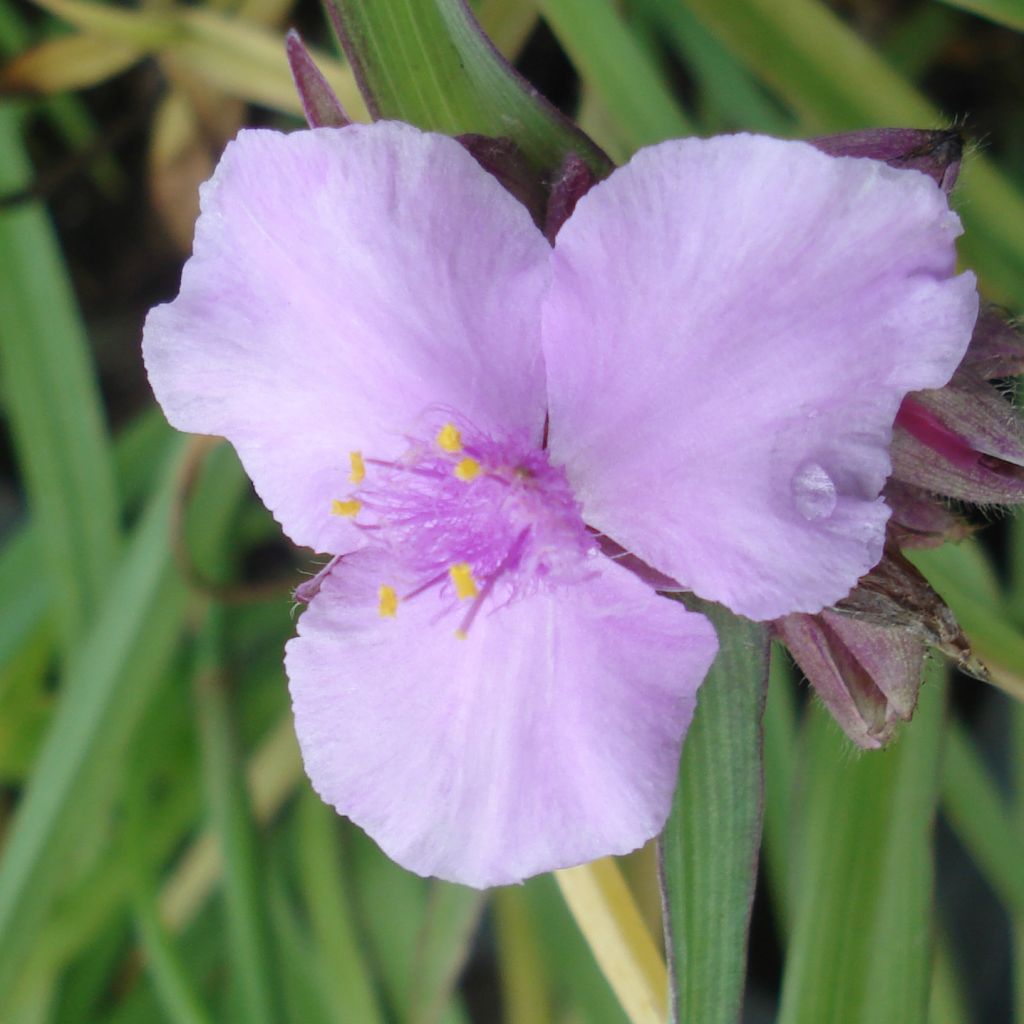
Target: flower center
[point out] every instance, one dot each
(473, 517)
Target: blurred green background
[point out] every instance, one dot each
(163, 857)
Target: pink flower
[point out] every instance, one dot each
(704, 370)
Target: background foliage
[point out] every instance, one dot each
(163, 858)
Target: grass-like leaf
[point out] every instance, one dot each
(53, 402)
(428, 63)
(862, 873)
(709, 849)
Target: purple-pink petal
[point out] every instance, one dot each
(344, 284)
(549, 736)
(731, 327)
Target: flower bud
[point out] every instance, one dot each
(865, 656)
(867, 675)
(963, 441)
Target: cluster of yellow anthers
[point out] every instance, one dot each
(466, 469)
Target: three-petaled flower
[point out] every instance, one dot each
(703, 371)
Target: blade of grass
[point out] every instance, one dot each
(947, 1004)
(1002, 12)
(780, 763)
(274, 771)
(144, 595)
(304, 998)
(728, 90)
(611, 922)
(69, 62)
(578, 986)
(862, 874)
(525, 986)
(710, 846)
(508, 24)
(625, 78)
(452, 917)
(346, 976)
(392, 905)
(53, 403)
(248, 930)
(982, 819)
(171, 980)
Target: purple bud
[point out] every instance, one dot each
(963, 440)
(867, 675)
(996, 348)
(935, 153)
(322, 108)
(503, 159)
(919, 519)
(574, 181)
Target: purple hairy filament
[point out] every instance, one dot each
(478, 518)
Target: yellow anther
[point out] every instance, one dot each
(348, 509)
(460, 634)
(388, 606)
(462, 577)
(468, 469)
(358, 473)
(449, 438)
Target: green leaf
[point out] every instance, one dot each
(1002, 12)
(710, 845)
(729, 98)
(346, 977)
(862, 871)
(393, 904)
(780, 746)
(983, 820)
(114, 671)
(427, 62)
(624, 76)
(452, 916)
(247, 914)
(575, 976)
(53, 402)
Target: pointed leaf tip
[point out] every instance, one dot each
(321, 106)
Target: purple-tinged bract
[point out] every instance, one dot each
(700, 375)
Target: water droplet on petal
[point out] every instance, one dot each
(813, 491)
